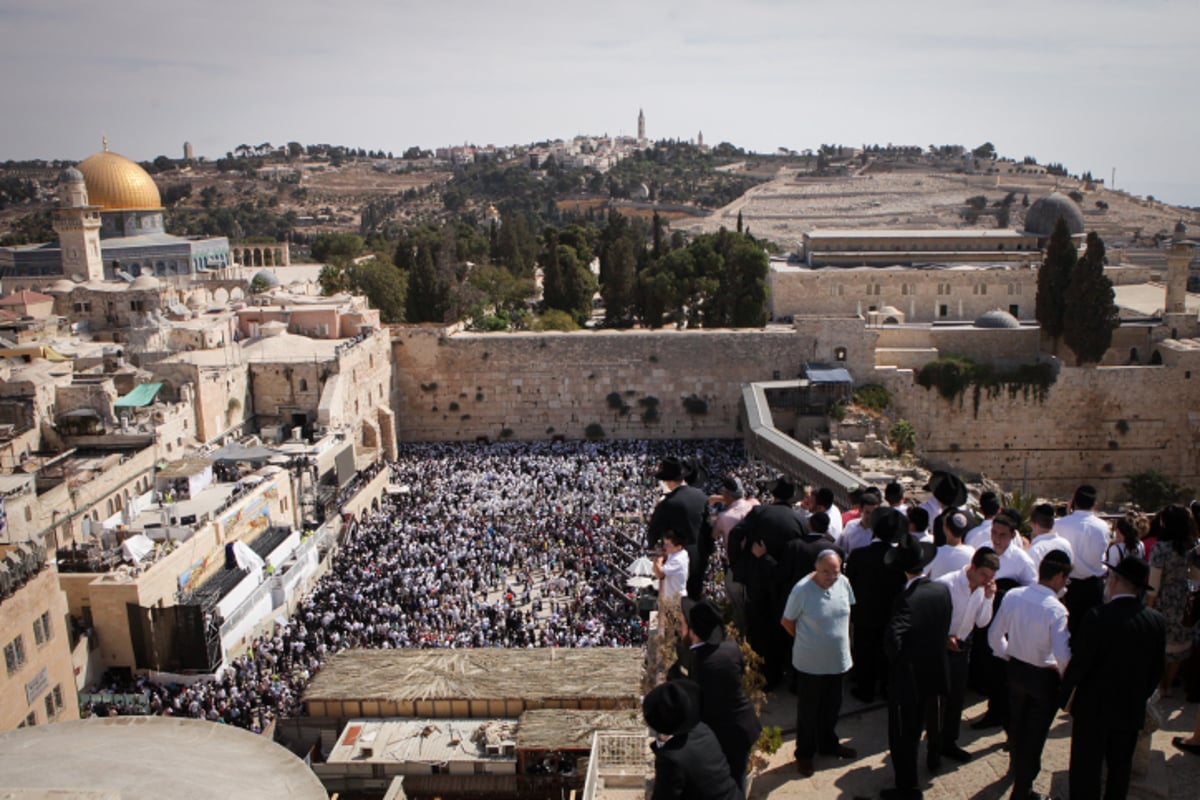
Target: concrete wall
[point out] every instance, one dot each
(536, 385)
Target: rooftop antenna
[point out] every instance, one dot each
(104, 142)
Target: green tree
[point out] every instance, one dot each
(330, 245)
(516, 247)
(553, 290)
(985, 150)
(1090, 311)
(384, 285)
(620, 288)
(333, 279)
(428, 298)
(578, 285)
(1053, 279)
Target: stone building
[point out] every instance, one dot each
(110, 227)
(38, 682)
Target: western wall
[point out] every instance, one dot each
(1095, 424)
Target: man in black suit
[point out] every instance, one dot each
(758, 547)
(875, 585)
(716, 665)
(918, 670)
(1117, 659)
(683, 509)
(687, 757)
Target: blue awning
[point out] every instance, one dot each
(819, 373)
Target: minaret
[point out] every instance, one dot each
(1179, 257)
(78, 227)
(700, 140)
(641, 126)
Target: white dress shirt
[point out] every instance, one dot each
(980, 535)
(969, 609)
(949, 558)
(1031, 626)
(854, 536)
(1046, 542)
(835, 522)
(932, 507)
(1015, 563)
(1088, 535)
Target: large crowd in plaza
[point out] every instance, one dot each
(501, 545)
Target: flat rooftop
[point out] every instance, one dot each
(431, 741)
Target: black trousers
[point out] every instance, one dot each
(818, 703)
(737, 753)
(952, 703)
(1033, 703)
(906, 721)
(1082, 596)
(870, 664)
(1092, 745)
(697, 567)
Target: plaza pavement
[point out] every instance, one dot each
(1173, 775)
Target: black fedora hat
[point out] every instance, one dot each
(947, 487)
(671, 469)
(910, 554)
(672, 707)
(888, 524)
(783, 489)
(704, 619)
(1134, 570)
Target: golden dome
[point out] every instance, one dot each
(116, 183)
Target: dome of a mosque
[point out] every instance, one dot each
(1043, 215)
(116, 183)
(71, 175)
(145, 282)
(267, 278)
(996, 319)
(61, 285)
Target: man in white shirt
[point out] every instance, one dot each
(972, 589)
(1030, 634)
(823, 501)
(857, 532)
(1045, 538)
(981, 534)
(1016, 569)
(1088, 535)
(953, 555)
(893, 495)
(1015, 563)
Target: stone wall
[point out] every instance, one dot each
(537, 385)
(1097, 425)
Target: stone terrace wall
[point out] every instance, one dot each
(1097, 425)
(537, 385)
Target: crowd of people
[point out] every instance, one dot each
(500, 545)
(915, 603)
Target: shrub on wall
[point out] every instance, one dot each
(614, 401)
(873, 397)
(903, 437)
(953, 375)
(594, 431)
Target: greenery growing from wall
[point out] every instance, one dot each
(873, 397)
(952, 375)
(594, 432)
(903, 437)
(695, 405)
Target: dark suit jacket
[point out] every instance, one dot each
(802, 556)
(691, 766)
(915, 642)
(774, 525)
(724, 707)
(875, 585)
(1117, 658)
(683, 509)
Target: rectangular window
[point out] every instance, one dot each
(41, 629)
(137, 305)
(58, 696)
(49, 707)
(943, 310)
(14, 655)
(31, 720)
(1015, 310)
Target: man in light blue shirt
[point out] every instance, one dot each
(817, 614)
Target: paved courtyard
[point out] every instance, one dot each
(1173, 774)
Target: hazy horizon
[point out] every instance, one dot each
(1093, 85)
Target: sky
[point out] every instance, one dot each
(1093, 84)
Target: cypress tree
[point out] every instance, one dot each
(1090, 312)
(1053, 278)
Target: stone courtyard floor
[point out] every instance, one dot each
(1173, 774)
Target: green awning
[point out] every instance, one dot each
(142, 395)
